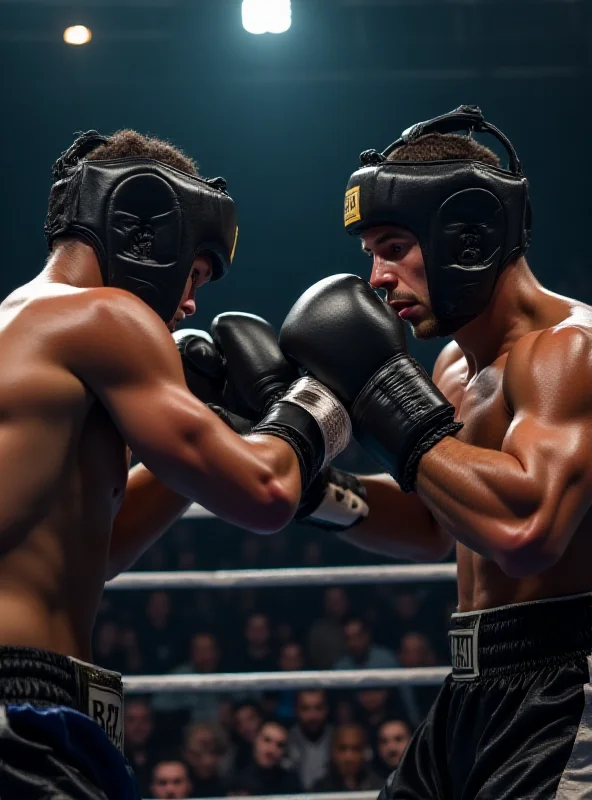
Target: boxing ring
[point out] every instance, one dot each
(271, 681)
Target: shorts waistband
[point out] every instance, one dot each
(45, 679)
(520, 637)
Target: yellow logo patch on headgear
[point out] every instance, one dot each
(234, 245)
(351, 209)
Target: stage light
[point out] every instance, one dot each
(266, 16)
(77, 34)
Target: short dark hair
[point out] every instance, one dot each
(349, 727)
(394, 721)
(171, 757)
(247, 704)
(444, 147)
(357, 619)
(127, 143)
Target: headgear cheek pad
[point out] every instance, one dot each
(470, 218)
(146, 221)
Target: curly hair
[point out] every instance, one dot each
(444, 147)
(131, 144)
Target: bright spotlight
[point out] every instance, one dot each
(77, 34)
(266, 16)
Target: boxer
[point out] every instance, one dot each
(90, 369)
(492, 452)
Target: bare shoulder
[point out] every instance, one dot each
(553, 363)
(450, 359)
(101, 328)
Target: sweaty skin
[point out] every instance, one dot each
(86, 372)
(514, 487)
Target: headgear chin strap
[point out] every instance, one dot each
(146, 221)
(470, 218)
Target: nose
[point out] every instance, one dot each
(188, 307)
(383, 275)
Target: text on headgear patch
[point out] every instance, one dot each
(351, 208)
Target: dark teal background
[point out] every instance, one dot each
(284, 117)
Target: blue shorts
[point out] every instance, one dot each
(47, 752)
(49, 748)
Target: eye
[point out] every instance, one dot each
(396, 249)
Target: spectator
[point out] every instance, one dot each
(373, 707)
(310, 739)
(291, 658)
(282, 704)
(362, 653)
(348, 771)
(170, 780)
(416, 651)
(258, 655)
(204, 660)
(158, 635)
(393, 736)
(326, 640)
(247, 721)
(265, 774)
(139, 744)
(203, 749)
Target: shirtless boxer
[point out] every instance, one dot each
(88, 367)
(493, 452)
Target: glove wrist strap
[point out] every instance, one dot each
(313, 422)
(399, 415)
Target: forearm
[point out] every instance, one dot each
(253, 482)
(484, 498)
(398, 525)
(148, 509)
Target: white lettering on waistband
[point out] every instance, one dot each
(464, 650)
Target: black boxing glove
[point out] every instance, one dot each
(349, 339)
(257, 372)
(335, 501)
(205, 375)
(263, 385)
(202, 364)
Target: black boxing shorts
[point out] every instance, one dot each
(61, 729)
(514, 719)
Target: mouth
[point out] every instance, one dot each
(404, 308)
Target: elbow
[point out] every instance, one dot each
(275, 509)
(529, 551)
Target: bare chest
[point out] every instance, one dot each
(480, 404)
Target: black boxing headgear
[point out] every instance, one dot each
(146, 221)
(470, 218)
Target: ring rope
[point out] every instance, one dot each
(322, 796)
(271, 681)
(313, 576)
(307, 796)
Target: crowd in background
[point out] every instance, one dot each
(194, 744)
